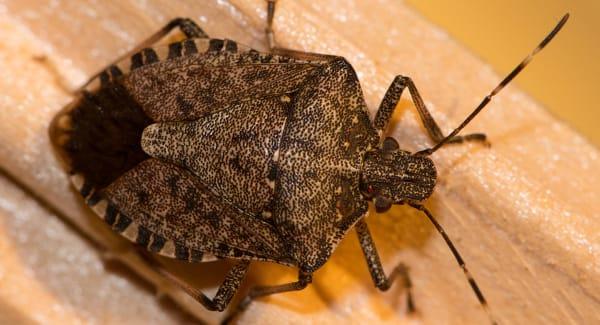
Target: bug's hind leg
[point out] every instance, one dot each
(303, 280)
(187, 26)
(226, 290)
(390, 101)
(381, 281)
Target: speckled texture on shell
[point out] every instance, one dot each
(522, 216)
(317, 195)
(174, 204)
(251, 155)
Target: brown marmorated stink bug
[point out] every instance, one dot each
(207, 149)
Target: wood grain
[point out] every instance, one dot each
(524, 213)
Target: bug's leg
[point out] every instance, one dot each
(226, 290)
(303, 280)
(381, 281)
(458, 258)
(269, 30)
(187, 26)
(390, 101)
(270, 36)
(299, 55)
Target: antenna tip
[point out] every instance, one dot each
(561, 23)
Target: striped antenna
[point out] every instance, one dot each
(460, 262)
(500, 86)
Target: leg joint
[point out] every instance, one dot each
(178, 22)
(304, 279)
(402, 80)
(384, 285)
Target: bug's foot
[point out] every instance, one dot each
(414, 316)
(475, 137)
(229, 318)
(238, 310)
(411, 309)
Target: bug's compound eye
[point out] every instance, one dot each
(368, 190)
(382, 204)
(390, 145)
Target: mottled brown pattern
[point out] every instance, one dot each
(399, 175)
(180, 208)
(244, 137)
(251, 151)
(231, 149)
(262, 123)
(317, 196)
(213, 80)
(205, 146)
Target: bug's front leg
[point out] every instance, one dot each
(390, 101)
(383, 282)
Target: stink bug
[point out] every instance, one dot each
(208, 149)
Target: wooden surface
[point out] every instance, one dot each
(524, 213)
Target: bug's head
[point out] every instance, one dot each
(394, 176)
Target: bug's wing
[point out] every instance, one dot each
(190, 87)
(167, 210)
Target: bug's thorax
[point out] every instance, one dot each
(392, 176)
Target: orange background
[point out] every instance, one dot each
(565, 77)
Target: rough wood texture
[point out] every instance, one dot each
(524, 213)
(50, 275)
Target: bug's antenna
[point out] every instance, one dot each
(459, 259)
(500, 86)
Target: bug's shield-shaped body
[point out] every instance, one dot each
(208, 148)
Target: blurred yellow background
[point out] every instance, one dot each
(563, 77)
